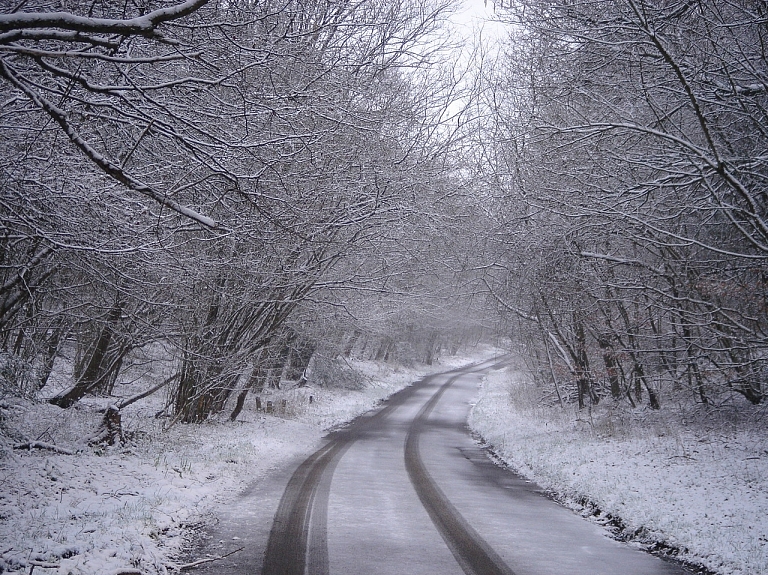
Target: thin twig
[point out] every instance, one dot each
(202, 561)
(42, 564)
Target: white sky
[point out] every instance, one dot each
(478, 15)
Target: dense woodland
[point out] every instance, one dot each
(628, 146)
(258, 191)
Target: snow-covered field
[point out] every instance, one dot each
(132, 509)
(691, 479)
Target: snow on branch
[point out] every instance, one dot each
(740, 90)
(199, 562)
(61, 35)
(128, 401)
(20, 276)
(622, 261)
(561, 352)
(37, 53)
(520, 313)
(141, 25)
(104, 163)
(30, 445)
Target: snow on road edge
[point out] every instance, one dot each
(694, 482)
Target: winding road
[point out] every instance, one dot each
(405, 490)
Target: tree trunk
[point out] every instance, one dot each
(383, 351)
(432, 348)
(51, 351)
(301, 355)
(584, 381)
(349, 346)
(111, 428)
(239, 404)
(611, 366)
(96, 369)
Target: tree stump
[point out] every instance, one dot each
(111, 428)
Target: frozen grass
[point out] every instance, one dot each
(104, 510)
(693, 480)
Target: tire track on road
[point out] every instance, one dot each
(471, 551)
(298, 542)
(286, 552)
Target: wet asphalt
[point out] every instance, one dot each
(406, 490)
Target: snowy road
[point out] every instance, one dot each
(405, 490)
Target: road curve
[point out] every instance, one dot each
(405, 491)
(298, 539)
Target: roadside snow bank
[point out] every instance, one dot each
(693, 481)
(132, 509)
(104, 510)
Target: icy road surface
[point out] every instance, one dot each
(405, 490)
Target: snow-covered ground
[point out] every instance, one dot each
(697, 482)
(132, 509)
(691, 479)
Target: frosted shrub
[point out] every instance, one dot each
(524, 395)
(334, 373)
(17, 377)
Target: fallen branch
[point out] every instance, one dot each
(202, 561)
(143, 394)
(30, 445)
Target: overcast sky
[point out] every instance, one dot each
(477, 15)
(480, 9)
